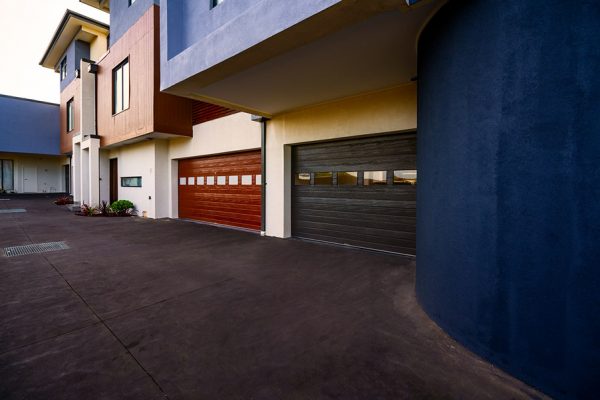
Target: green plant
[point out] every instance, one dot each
(104, 208)
(88, 211)
(122, 207)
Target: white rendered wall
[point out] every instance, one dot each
(46, 171)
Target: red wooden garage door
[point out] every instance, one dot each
(222, 189)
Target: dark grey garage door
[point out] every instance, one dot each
(360, 192)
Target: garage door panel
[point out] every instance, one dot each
(392, 224)
(384, 163)
(386, 233)
(371, 196)
(404, 215)
(230, 204)
(362, 242)
(374, 216)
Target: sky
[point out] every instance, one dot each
(26, 28)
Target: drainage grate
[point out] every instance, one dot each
(12, 210)
(34, 248)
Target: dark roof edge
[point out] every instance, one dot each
(26, 99)
(63, 23)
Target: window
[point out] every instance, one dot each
(182, 181)
(405, 177)
(246, 179)
(347, 178)
(221, 180)
(70, 117)
(130, 2)
(7, 183)
(233, 180)
(121, 87)
(375, 178)
(191, 180)
(258, 179)
(131, 181)
(302, 178)
(63, 68)
(210, 180)
(199, 180)
(323, 178)
(214, 3)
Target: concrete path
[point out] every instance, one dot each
(167, 309)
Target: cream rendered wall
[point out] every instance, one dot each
(233, 133)
(389, 110)
(49, 174)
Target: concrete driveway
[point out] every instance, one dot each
(157, 309)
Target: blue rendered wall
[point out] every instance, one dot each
(508, 222)
(196, 38)
(28, 126)
(122, 16)
(75, 52)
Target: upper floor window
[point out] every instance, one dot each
(214, 3)
(130, 2)
(121, 87)
(63, 68)
(70, 116)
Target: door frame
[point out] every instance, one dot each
(113, 180)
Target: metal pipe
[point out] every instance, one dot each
(263, 172)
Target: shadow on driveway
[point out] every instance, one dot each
(155, 309)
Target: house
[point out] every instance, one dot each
(463, 133)
(127, 139)
(30, 158)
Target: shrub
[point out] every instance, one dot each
(122, 207)
(61, 201)
(104, 209)
(88, 211)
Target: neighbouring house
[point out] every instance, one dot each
(30, 157)
(462, 133)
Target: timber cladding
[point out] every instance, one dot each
(72, 91)
(222, 189)
(204, 112)
(338, 203)
(149, 109)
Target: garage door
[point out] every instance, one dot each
(222, 189)
(360, 192)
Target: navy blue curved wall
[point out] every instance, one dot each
(508, 222)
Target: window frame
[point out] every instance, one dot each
(2, 183)
(63, 69)
(125, 87)
(137, 179)
(70, 116)
(215, 3)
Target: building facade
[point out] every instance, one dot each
(488, 105)
(30, 157)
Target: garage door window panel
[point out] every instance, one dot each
(347, 178)
(405, 177)
(323, 178)
(302, 179)
(371, 178)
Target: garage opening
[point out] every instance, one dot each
(359, 192)
(224, 189)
